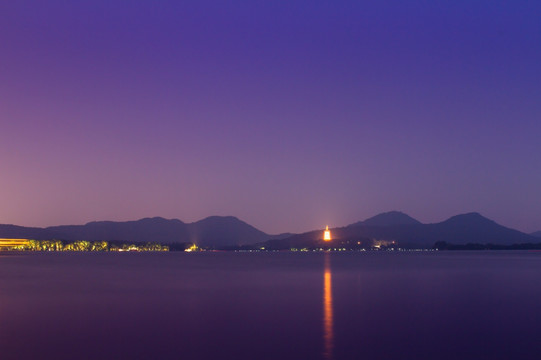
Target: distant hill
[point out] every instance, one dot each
(388, 219)
(224, 231)
(474, 228)
(460, 229)
(155, 229)
(536, 234)
(21, 232)
(214, 231)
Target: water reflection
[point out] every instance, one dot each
(328, 330)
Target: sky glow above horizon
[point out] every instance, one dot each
(288, 115)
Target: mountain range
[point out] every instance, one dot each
(405, 231)
(216, 231)
(224, 231)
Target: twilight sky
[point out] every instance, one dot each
(287, 114)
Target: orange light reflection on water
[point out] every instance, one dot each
(328, 326)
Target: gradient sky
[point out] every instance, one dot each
(287, 114)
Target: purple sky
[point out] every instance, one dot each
(289, 115)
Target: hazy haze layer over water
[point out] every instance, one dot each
(374, 305)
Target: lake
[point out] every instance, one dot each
(283, 305)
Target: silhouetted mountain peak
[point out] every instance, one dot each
(472, 218)
(390, 218)
(224, 230)
(90, 223)
(157, 220)
(221, 219)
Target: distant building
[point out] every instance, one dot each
(13, 244)
(327, 234)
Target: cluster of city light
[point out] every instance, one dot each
(82, 245)
(192, 248)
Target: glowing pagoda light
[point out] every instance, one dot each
(327, 234)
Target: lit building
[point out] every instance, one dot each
(13, 243)
(327, 234)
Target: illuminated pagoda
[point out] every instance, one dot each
(327, 234)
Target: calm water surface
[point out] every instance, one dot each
(376, 305)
